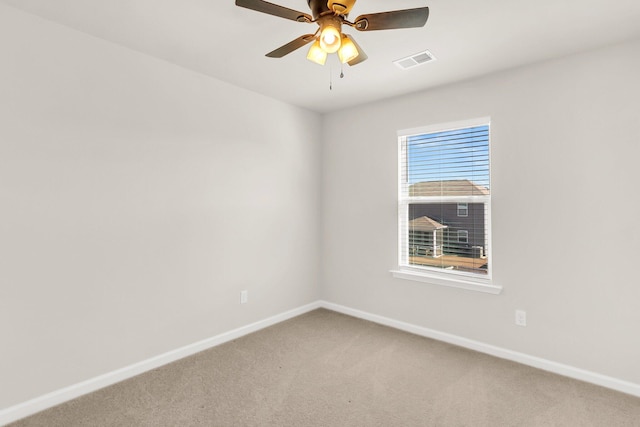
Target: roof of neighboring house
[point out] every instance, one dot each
(424, 223)
(459, 187)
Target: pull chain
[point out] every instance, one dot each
(331, 75)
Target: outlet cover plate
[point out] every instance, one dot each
(521, 318)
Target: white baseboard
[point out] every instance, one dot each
(57, 397)
(30, 407)
(525, 359)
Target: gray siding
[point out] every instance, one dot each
(447, 214)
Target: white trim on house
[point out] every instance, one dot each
(464, 209)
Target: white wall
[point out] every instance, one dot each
(137, 199)
(566, 236)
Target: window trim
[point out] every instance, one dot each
(466, 234)
(435, 278)
(455, 279)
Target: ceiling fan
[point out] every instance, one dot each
(330, 16)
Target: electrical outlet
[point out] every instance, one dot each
(244, 297)
(521, 318)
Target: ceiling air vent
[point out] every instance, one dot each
(415, 60)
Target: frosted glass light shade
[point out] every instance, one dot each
(348, 50)
(330, 38)
(317, 54)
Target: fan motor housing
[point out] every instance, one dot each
(318, 8)
(323, 7)
(341, 7)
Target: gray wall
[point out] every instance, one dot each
(137, 199)
(566, 134)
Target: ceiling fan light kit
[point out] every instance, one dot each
(317, 54)
(330, 37)
(348, 50)
(330, 16)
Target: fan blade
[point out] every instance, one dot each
(361, 55)
(275, 10)
(408, 18)
(291, 46)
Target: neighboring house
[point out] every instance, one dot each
(426, 237)
(450, 228)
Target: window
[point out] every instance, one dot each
(444, 202)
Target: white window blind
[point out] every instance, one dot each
(445, 199)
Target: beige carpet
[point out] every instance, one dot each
(327, 369)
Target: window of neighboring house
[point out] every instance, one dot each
(444, 206)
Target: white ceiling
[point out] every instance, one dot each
(468, 37)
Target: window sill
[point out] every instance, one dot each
(469, 284)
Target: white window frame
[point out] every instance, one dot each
(465, 208)
(464, 233)
(456, 279)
